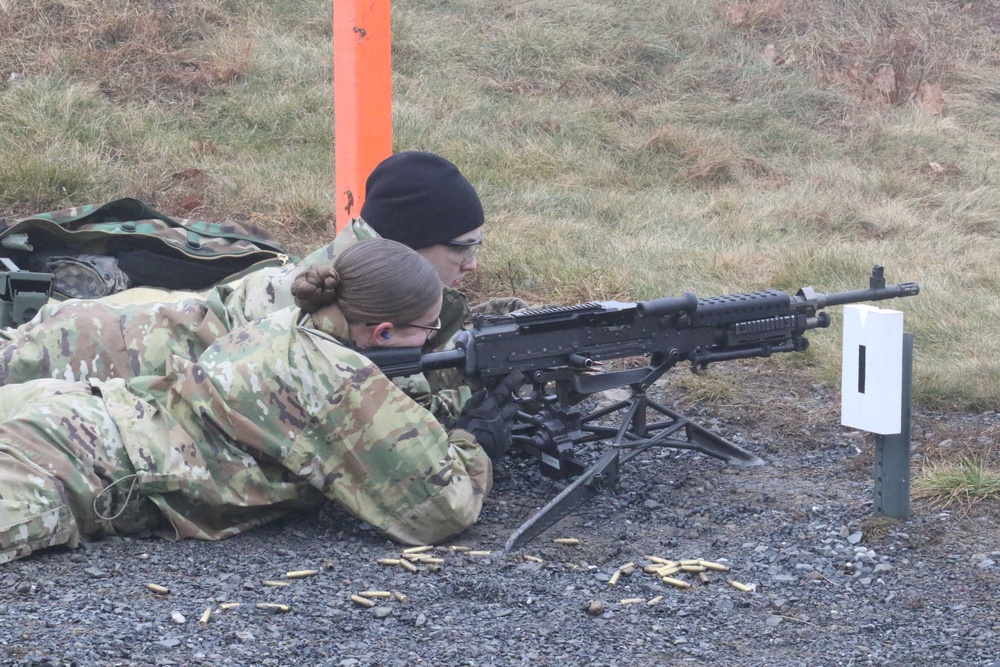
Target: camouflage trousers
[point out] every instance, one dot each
(64, 473)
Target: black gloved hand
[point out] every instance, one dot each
(489, 416)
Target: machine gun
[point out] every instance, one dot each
(559, 349)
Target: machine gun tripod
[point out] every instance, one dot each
(553, 432)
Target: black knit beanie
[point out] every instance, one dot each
(420, 199)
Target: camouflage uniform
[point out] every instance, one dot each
(273, 416)
(79, 339)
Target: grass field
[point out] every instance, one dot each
(624, 149)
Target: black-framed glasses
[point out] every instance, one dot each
(432, 330)
(467, 249)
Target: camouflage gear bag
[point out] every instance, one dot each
(94, 251)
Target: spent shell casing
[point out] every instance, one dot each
(400, 596)
(388, 561)
(740, 587)
(432, 561)
(418, 550)
(567, 541)
(532, 559)
(628, 569)
(408, 566)
(301, 574)
(276, 584)
(362, 602)
(614, 578)
(459, 549)
(631, 601)
(205, 615)
(703, 577)
(627, 565)
(690, 561)
(479, 553)
(666, 571)
(230, 605)
(718, 567)
(676, 582)
(159, 590)
(270, 606)
(655, 600)
(692, 568)
(657, 559)
(375, 594)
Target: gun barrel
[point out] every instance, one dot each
(874, 294)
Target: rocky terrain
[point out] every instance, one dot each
(829, 583)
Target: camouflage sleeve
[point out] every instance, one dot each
(396, 466)
(457, 506)
(445, 404)
(387, 460)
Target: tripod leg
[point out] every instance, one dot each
(603, 474)
(705, 441)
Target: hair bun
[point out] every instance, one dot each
(331, 281)
(315, 288)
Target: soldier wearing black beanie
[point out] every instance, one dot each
(420, 199)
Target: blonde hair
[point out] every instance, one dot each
(376, 280)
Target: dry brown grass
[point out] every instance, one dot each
(133, 52)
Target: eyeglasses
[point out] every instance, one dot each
(467, 249)
(431, 330)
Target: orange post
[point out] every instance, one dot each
(362, 98)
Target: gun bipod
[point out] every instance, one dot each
(632, 437)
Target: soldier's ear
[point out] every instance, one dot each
(382, 334)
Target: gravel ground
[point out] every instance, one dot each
(831, 583)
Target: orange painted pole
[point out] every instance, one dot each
(362, 98)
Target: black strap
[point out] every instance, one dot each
(150, 269)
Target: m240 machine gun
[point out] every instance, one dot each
(559, 349)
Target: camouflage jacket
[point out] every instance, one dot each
(274, 416)
(105, 338)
